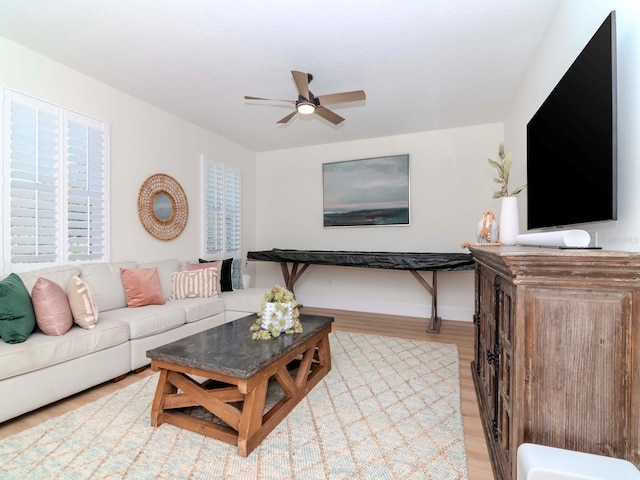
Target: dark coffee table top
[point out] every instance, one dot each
(229, 349)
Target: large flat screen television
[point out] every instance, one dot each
(571, 141)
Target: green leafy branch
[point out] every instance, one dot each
(503, 166)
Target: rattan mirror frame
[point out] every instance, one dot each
(162, 184)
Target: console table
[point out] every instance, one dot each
(413, 262)
(557, 351)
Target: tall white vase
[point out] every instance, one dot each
(509, 223)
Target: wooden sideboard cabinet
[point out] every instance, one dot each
(557, 351)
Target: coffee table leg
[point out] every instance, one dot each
(251, 418)
(324, 353)
(163, 388)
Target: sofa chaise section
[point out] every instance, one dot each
(46, 369)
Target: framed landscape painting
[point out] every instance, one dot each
(367, 192)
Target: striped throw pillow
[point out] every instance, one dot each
(195, 283)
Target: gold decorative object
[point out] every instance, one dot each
(163, 207)
(487, 234)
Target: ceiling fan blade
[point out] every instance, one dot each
(329, 115)
(302, 83)
(343, 97)
(246, 97)
(288, 117)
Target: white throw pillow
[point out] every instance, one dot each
(82, 303)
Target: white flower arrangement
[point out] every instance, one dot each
(278, 313)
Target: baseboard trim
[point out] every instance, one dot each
(417, 310)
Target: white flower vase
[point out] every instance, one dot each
(509, 226)
(280, 315)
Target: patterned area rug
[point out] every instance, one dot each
(389, 409)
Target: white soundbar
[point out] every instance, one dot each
(562, 238)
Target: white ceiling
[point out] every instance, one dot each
(424, 64)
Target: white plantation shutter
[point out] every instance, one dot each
(232, 210)
(55, 179)
(86, 183)
(214, 213)
(221, 199)
(33, 180)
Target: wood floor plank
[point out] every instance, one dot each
(458, 333)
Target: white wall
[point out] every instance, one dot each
(144, 140)
(573, 24)
(451, 187)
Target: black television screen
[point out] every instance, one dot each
(571, 141)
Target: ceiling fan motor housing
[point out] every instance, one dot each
(312, 99)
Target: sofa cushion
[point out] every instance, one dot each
(200, 308)
(82, 303)
(141, 286)
(165, 269)
(51, 307)
(106, 284)
(17, 319)
(246, 300)
(44, 350)
(195, 283)
(59, 274)
(148, 320)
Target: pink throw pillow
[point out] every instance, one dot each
(142, 286)
(50, 304)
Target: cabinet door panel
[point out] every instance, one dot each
(576, 376)
(505, 293)
(487, 339)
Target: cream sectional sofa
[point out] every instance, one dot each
(44, 368)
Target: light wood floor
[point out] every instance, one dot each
(460, 333)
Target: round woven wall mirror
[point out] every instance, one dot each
(163, 207)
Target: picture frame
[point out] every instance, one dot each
(366, 192)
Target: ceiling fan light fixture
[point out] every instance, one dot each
(305, 108)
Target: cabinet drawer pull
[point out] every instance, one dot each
(490, 356)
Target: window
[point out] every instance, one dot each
(221, 210)
(55, 181)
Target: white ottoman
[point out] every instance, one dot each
(537, 462)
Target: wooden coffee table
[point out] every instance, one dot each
(237, 370)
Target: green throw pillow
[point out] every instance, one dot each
(17, 319)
